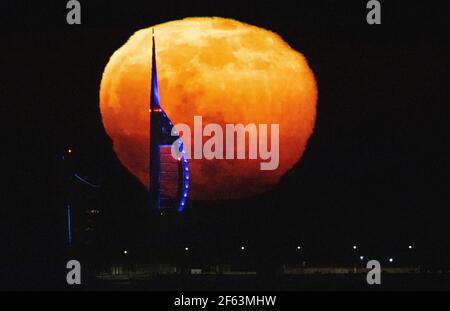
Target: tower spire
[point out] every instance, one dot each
(154, 98)
(154, 165)
(169, 180)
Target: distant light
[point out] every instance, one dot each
(243, 248)
(186, 249)
(298, 247)
(125, 252)
(391, 259)
(361, 257)
(69, 151)
(355, 247)
(410, 246)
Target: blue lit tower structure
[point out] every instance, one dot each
(79, 197)
(169, 176)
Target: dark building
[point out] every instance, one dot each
(81, 201)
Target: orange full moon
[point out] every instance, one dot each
(223, 70)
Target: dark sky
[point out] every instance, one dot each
(375, 170)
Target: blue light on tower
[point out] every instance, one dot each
(185, 183)
(69, 226)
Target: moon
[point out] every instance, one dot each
(223, 70)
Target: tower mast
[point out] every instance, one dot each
(155, 109)
(169, 180)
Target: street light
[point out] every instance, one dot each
(391, 260)
(361, 257)
(125, 252)
(355, 247)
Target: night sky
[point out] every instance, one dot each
(375, 171)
